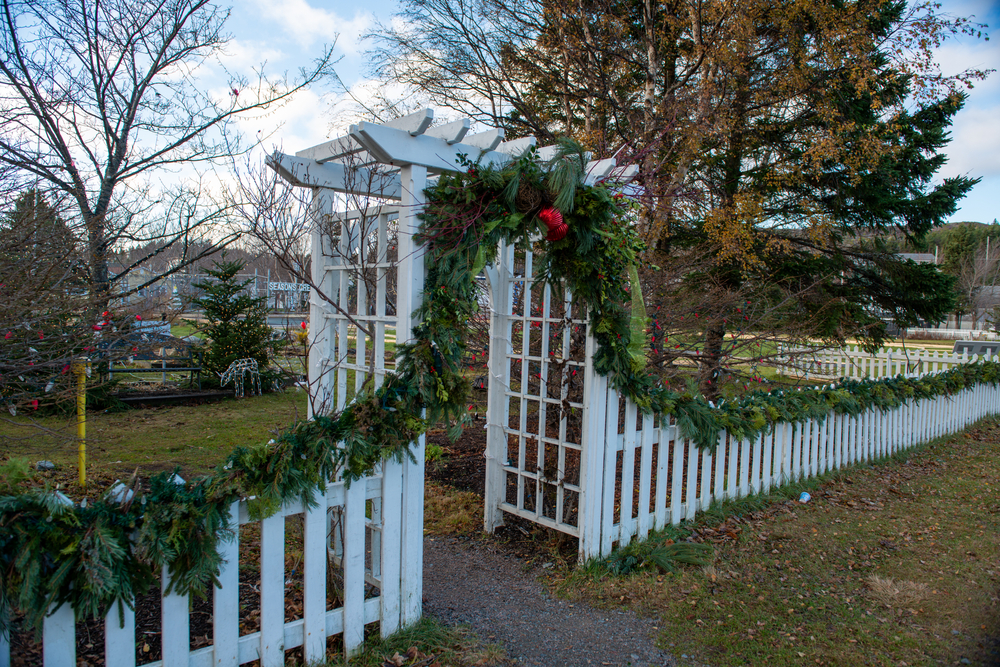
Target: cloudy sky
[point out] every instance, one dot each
(286, 34)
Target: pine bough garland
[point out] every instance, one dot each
(92, 556)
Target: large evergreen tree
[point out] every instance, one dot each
(34, 235)
(236, 321)
(42, 295)
(778, 145)
(798, 199)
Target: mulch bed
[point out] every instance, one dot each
(462, 466)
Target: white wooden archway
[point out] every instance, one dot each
(388, 166)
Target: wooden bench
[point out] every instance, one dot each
(189, 363)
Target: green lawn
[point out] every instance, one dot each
(184, 329)
(196, 438)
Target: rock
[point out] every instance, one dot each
(45, 465)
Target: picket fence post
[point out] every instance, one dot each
(4, 648)
(59, 637)
(119, 636)
(226, 597)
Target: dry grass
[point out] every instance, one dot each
(890, 564)
(897, 594)
(428, 642)
(448, 511)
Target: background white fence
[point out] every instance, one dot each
(954, 334)
(853, 362)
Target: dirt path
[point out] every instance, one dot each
(468, 582)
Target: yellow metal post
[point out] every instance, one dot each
(80, 370)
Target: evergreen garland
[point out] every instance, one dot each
(96, 555)
(106, 552)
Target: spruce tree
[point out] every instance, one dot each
(826, 190)
(236, 322)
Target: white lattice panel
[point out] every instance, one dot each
(535, 429)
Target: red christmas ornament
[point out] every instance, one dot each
(304, 325)
(9, 335)
(138, 318)
(96, 327)
(105, 314)
(554, 221)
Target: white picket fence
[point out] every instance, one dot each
(567, 452)
(356, 532)
(955, 334)
(649, 476)
(853, 362)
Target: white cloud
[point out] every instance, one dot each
(292, 126)
(958, 56)
(309, 25)
(246, 57)
(975, 146)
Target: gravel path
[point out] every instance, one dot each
(490, 591)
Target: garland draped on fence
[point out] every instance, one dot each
(90, 556)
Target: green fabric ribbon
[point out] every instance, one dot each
(637, 343)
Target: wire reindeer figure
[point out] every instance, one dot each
(235, 374)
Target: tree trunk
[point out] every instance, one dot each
(97, 251)
(711, 360)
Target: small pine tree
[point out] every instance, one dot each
(237, 322)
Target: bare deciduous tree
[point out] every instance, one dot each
(976, 280)
(279, 220)
(98, 96)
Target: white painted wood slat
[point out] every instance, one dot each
(59, 637)
(354, 569)
(645, 476)
(4, 649)
(176, 627)
(226, 598)
(392, 510)
(119, 636)
(314, 564)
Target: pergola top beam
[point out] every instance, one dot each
(485, 141)
(452, 132)
(331, 150)
(414, 123)
(411, 140)
(333, 176)
(391, 146)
